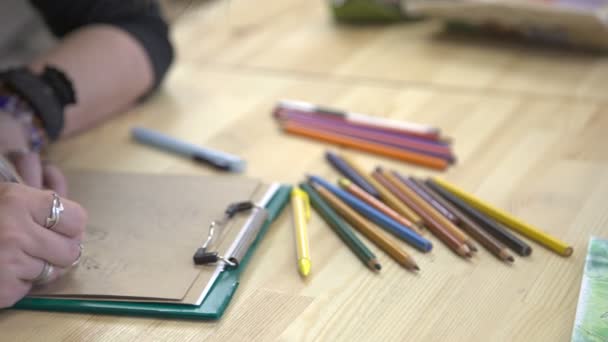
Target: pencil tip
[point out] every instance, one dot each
(378, 266)
(510, 258)
(416, 268)
(464, 250)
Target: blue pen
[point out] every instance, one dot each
(217, 159)
(351, 174)
(378, 217)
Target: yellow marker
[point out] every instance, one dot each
(301, 215)
(510, 221)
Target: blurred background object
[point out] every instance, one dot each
(367, 10)
(568, 23)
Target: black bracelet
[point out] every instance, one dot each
(47, 94)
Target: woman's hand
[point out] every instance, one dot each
(26, 244)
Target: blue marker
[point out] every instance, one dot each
(217, 159)
(378, 217)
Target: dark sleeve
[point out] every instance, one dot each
(140, 18)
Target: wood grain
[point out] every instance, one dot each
(529, 126)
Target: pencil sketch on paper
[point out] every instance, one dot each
(95, 234)
(591, 322)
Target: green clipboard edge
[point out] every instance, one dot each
(212, 307)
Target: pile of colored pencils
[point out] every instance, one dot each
(410, 142)
(386, 205)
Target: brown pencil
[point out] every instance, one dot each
(441, 232)
(428, 208)
(374, 202)
(418, 187)
(484, 238)
(377, 236)
(386, 195)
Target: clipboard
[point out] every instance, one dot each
(212, 307)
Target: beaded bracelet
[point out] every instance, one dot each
(21, 112)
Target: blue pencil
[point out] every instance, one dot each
(403, 232)
(351, 174)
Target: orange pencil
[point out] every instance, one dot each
(435, 227)
(412, 157)
(374, 202)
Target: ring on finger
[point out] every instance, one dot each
(56, 209)
(77, 261)
(45, 274)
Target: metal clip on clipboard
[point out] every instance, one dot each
(246, 236)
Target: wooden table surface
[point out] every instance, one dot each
(529, 126)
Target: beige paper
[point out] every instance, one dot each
(143, 232)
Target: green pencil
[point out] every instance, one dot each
(344, 231)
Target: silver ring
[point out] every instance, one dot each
(57, 208)
(77, 261)
(45, 274)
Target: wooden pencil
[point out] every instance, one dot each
(484, 238)
(386, 195)
(437, 229)
(550, 242)
(367, 146)
(342, 229)
(372, 232)
(513, 242)
(424, 205)
(422, 192)
(345, 169)
(376, 216)
(374, 202)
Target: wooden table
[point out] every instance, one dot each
(529, 126)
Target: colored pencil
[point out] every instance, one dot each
(363, 145)
(421, 191)
(343, 167)
(531, 232)
(404, 140)
(372, 232)
(374, 202)
(403, 232)
(514, 243)
(342, 229)
(403, 136)
(408, 189)
(360, 118)
(484, 238)
(386, 195)
(412, 144)
(436, 228)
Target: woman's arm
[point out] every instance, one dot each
(114, 51)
